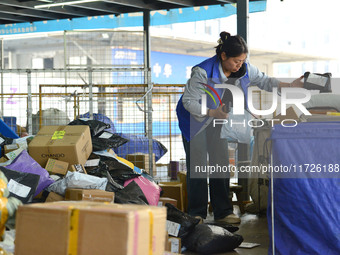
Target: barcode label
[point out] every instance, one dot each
(172, 228)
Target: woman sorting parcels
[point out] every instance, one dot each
(201, 140)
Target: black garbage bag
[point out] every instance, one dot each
(102, 170)
(131, 194)
(96, 127)
(107, 141)
(21, 185)
(112, 185)
(186, 221)
(101, 140)
(226, 226)
(114, 162)
(209, 239)
(122, 175)
(96, 170)
(4, 141)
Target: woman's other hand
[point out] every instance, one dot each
(218, 113)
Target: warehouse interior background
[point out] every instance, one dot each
(69, 73)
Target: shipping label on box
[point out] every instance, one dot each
(70, 144)
(54, 166)
(90, 195)
(175, 244)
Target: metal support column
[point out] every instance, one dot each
(90, 72)
(243, 149)
(243, 18)
(147, 78)
(29, 102)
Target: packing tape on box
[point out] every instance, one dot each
(73, 232)
(135, 243)
(151, 245)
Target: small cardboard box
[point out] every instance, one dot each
(173, 190)
(174, 244)
(88, 228)
(141, 160)
(11, 147)
(54, 166)
(70, 144)
(78, 168)
(288, 118)
(163, 200)
(90, 195)
(182, 176)
(53, 197)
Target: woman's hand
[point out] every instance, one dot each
(294, 84)
(218, 113)
(297, 83)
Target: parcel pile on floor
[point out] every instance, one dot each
(65, 191)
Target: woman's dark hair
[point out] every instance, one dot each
(233, 46)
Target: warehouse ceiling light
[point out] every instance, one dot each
(40, 6)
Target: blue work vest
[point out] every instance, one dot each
(188, 125)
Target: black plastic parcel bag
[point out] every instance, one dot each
(96, 127)
(209, 239)
(101, 140)
(186, 221)
(131, 194)
(21, 185)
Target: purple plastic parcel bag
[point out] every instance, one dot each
(25, 163)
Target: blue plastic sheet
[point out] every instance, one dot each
(139, 143)
(306, 209)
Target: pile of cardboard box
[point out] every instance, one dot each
(87, 221)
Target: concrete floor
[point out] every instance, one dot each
(254, 229)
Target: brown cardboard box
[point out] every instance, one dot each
(174, 244)
(290, 114)
(141, 160)
(88, 228)
(173, 190)
(11, 147)
(71, 144)
(90, 195)
(53, 197)
(163, 200)
(78, 168)
(158, 230)
(182, 176)
(54, 166)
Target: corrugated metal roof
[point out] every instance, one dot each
(21, 11)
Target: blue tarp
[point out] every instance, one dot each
(306, 209)
(140, 144)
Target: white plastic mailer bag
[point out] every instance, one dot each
(75, 180)
(237, 128)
